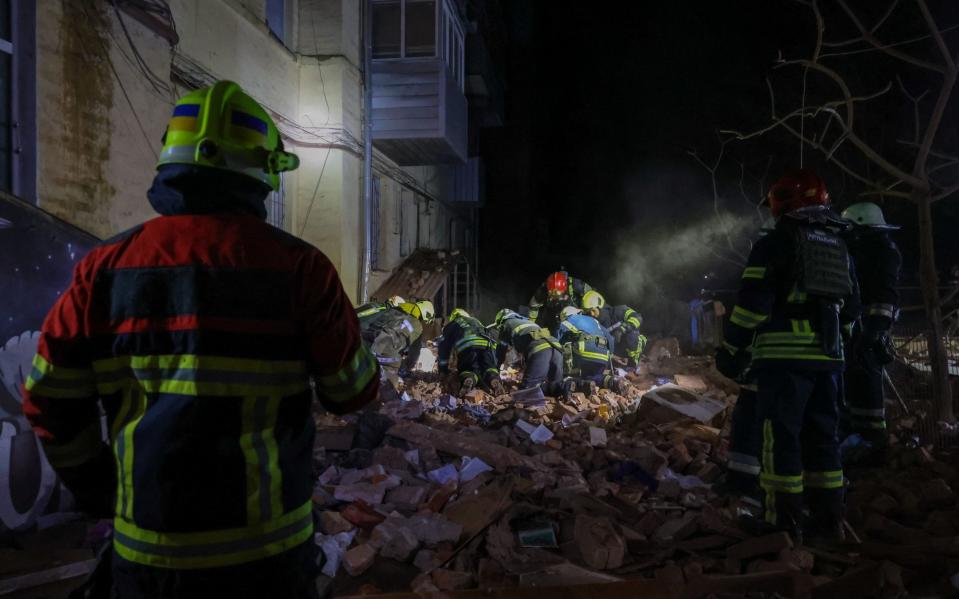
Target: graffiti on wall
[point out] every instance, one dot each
(37, 256)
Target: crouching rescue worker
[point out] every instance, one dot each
(199, 333)
(798, 292)
(395, 334)
(476, 363)
(621, 321)
(557, 292)
(878, 262)
(542, 353)
(588, 348)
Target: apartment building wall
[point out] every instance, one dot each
(101, 120)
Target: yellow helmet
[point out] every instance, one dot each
(457, 312)
(422, 309)
(222, 127)
(427, 312)
(593, 299)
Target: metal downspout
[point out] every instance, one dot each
(367, 153)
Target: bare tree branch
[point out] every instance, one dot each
(934, 32)
(890, 50)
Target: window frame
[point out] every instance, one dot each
(23, 140)
(449, 37)
(375, 222)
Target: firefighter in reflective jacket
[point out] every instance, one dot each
(395, 334)
(372, 308)
(588, 348)
(542, 353)
(475, 352)
(878, 262)
(559, 291)
(622, 322)
(798, 292)
(198, 334)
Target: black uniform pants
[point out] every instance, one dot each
(289, 575)
(477, 364)
(745, 441)
(864, 411)
(800, 448)
(629, 344)
(544, 368)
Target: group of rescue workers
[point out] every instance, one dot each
(202, 337)
(568, 339)
(808, 339)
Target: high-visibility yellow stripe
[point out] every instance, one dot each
(58, 382)
(140, 401)
(768, 467)
(824, 480)
(42, 366)
(248, 432)
(746, 319)
(206, 549)
(197, 362)
(273, 455)
(350, 380)
(192, 388)
(123, 415)
(796, 296)
(754, 272)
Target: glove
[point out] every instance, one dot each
(876, 345)
(729, 364)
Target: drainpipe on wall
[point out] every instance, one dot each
(367, 153)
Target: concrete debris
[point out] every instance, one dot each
(607, 489)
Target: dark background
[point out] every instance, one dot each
(591, 170)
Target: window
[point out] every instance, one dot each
(18, 160)
(405, 28)
(276, 13)
(375, 226)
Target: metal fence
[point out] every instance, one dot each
(909, 387)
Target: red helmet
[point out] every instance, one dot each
(557, 283)
(797, 189)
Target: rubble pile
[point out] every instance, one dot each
(435, 493)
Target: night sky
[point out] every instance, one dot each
(591, 170)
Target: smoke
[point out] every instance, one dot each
(658, 271)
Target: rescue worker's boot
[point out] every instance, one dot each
(496, 387)
(569, 387)
(617, 385)
(591, 388)
(468, 384)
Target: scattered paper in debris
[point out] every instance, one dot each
(473, 467)
(443, 475)
(541, 435)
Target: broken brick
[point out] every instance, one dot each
(359, 559)
(332, 523)
(768, 544)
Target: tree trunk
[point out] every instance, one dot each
(929, 281)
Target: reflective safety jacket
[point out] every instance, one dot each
(460, 334)
(588, 340)
(370, 310)
(577, 289)
(199, 335)
(878, 262)
(525, 336)
(619, 320)
(401, 343)
(776, 318)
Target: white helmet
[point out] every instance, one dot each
(867, 214)
(569, 311)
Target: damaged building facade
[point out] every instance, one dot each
(94, 83)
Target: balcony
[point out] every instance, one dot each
(419, 112)
(419, 108)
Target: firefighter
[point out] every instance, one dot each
(878, 262)
(621, 321)
(198, 334)
(588, 350)
(559, 291)
(466, 337)
(542, 353)
(745, 435)
(395, 334)
(798, 292)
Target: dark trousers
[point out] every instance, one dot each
(745, 441)
(800, 449)
(629, 344)
(864, 410)
(291, 575)
(595, 372)
(477, 364)
(544, 368)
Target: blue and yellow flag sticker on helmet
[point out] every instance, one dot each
(185, 117)
(248, 128)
